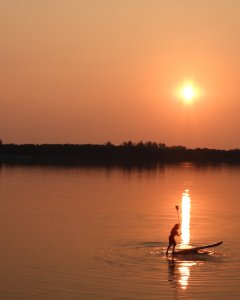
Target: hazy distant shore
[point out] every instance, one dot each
(128, 153)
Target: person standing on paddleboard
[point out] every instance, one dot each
(172, 241)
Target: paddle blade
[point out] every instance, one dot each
(176, 207)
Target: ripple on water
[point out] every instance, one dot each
(146, 265)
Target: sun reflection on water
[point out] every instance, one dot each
(184, 270)
(180, 269)
(185, 224)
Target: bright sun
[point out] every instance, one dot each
(188, 92)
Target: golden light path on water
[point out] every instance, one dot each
(184, 269)
(185, 224)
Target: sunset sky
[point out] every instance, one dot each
(93, 71)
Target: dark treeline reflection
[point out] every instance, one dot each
(128, 153)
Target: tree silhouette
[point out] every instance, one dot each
(128, 153)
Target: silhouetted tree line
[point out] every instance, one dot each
(108, 154)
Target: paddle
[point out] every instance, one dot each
(178, 214)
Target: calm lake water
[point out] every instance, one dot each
(97, 233)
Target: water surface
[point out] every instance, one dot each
(98, 233)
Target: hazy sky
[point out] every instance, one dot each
(92, 71)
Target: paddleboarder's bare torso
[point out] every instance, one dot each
(172, 241)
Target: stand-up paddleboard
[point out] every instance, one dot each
(196, 249)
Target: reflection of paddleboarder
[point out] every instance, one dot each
(173, 276)
(172, 241)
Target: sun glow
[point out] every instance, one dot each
(188, 92)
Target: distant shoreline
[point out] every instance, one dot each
(128, 153)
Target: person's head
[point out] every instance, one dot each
(177, 226)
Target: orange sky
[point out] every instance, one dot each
(94, 71)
